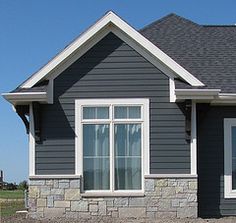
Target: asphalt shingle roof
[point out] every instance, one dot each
(207, 52)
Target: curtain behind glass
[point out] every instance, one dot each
(127, 156)
(96, 153)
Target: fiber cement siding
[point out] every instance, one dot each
(112, 69)
(211, 163)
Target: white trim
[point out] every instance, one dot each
(193, 144)
(79, 103)
(113, 194)
(14, 98)
(31, 142)
(153, 176)
(172, 89)
(103, 23)
(228, 191)
(54, 177)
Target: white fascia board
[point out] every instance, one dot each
(25, 97)
(111, 18)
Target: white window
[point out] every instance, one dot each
(230, 157)
(112, 143)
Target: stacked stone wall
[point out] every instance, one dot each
(162, 198)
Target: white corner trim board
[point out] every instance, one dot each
(31, 142)
(229, 192)
(106, 22)
(193, 144)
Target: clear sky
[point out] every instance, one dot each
(31, 32)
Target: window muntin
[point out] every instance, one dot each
(125, 164)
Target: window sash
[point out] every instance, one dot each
(112, 122)
(144, 121)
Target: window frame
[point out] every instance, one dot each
(144, 121)
(228, 187)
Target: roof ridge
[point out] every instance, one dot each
(166, 17)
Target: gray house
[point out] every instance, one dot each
(126, 123)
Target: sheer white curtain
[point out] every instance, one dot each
(96, 153)
(127, 156)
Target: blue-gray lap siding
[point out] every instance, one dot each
(112, 69)
(211, 163)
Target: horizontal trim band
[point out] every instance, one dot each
(153, 176)
(113, 194)
(54, 177)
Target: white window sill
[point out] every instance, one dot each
(112, 194)
(231, 195)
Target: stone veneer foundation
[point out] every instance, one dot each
(163, 198)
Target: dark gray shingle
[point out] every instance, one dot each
(208, 52)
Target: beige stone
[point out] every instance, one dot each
(157, 191)
(132, 212)
(41, 202)
(166, 214)
(179, 190)
(162, 183)
(192, 185)
(54, 212)
(49, 182)
(61, 204)
(72, 194)
(34, 192)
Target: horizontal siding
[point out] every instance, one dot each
(112, 69)
(211, 163)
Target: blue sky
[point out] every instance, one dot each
(31, 32)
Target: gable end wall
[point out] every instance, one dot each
(112, 69)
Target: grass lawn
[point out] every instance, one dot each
(11, 194)
(8, 208)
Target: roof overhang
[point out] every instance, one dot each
(110, 22)
(212, 96)
(25, 97)
(200, 94)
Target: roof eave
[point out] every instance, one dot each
(112, 18)
(25, 97)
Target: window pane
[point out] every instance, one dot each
(95, 112)
(121, 112)
(134, 112)
(127, 156)
(233, 158)
(127, 112)
(96, 157)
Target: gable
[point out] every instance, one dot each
(113, 69)
(110, 23)
(112, 64)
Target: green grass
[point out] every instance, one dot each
(9, 208)
(11, 194)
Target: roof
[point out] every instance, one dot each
(205, 53)
(208, 52)
(110, 22)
